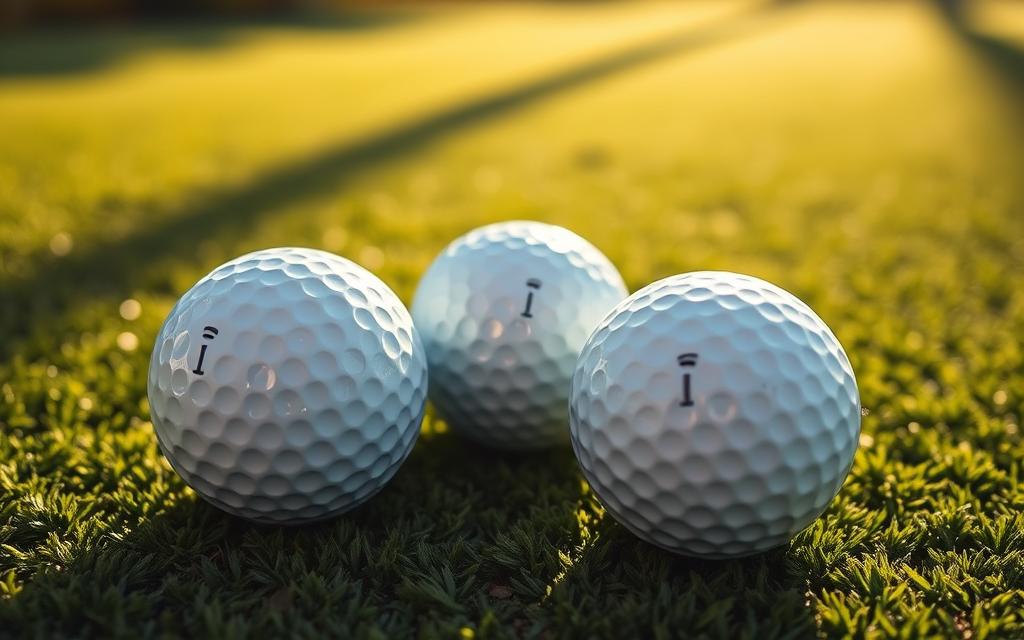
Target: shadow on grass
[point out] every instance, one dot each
(417, 548)
(462, 537)
(1004, 57)
(621, 587)
(65, 51)
(120, 265)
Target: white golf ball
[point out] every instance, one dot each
(503, 312)
(714, 414)
(287, 386)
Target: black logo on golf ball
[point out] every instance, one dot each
(686, 360)
(532, 284)
(209, 333)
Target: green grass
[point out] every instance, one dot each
(864, 156)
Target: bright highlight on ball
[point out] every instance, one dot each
(714, 414)
(503, 312)
(287, 386)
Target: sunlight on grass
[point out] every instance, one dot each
(863, 155)
(176, 121)
(1000, 18)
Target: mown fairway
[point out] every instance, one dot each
(866, 157)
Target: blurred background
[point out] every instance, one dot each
(41, 12)
(864, 155)
(144, 141)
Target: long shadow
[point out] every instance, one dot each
(189, 567)
(1004, 57)
(66, 50)
(457, 524)
(622, 587)
(117, 266)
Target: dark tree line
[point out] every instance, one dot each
(15, 13)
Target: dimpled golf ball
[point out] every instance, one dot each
(503, 312)
(714, 414)
(287, 386)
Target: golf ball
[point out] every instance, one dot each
(714, 414)
(287, 386)
(503, 312)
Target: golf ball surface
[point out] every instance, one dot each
(503, 312)
(287, 386)
(714, 414)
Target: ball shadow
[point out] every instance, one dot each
(419, 546)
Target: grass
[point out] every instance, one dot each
(864, 156)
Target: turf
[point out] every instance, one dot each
(864, 156)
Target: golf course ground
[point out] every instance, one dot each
(866, 156)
